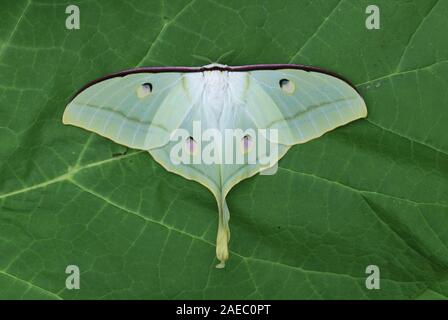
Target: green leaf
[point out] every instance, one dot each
(374, 192)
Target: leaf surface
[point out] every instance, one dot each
(374, 192)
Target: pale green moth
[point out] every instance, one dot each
(142, 108)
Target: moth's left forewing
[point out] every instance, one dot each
(302, 105)
(136, 110)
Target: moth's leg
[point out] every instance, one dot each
(120, 154)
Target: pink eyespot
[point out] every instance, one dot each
(287, 86)
(144, 90)
(190, 145)
(247, 143)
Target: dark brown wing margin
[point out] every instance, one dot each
(214, 68)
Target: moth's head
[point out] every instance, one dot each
(214, 65)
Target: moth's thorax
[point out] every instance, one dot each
(217, 92)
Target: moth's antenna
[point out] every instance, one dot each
(226, 54)
(202, 58)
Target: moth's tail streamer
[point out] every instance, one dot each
(223, 237)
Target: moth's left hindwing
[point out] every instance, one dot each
(137, 110)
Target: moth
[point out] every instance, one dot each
(157, 109)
